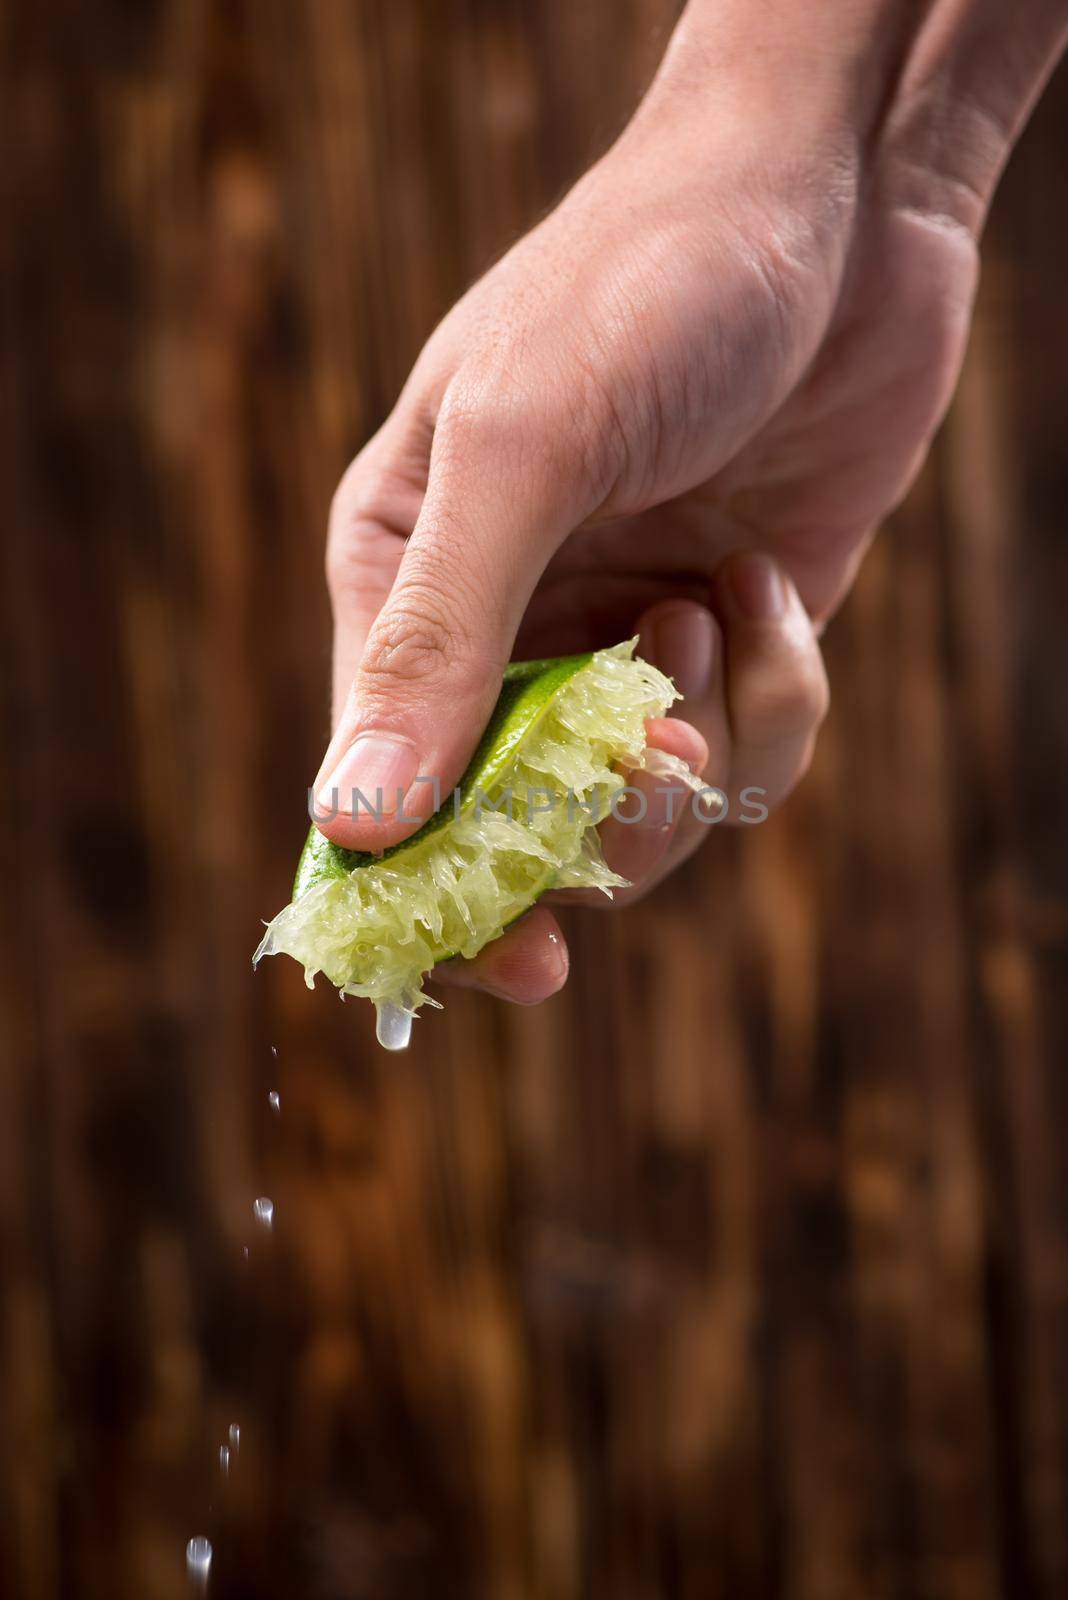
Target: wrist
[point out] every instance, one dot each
(972, 76)
(930, 98)
(819, 72)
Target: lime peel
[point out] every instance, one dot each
(376, 925)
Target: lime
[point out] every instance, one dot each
(523, 820)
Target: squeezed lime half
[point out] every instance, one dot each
(523, 820)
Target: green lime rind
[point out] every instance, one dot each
(374, 926)
(528, 690)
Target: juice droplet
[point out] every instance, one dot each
(274, 1051)
(263, 1211)
(274, 1100)
(235, 1436)
(224, 1460)
(393, 1028)
(198, 1558)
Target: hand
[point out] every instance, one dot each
(754, 685)
(737, 333)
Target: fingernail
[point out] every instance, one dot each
(684, 646)
(757, 586)
(381, 767)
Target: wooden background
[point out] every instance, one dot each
(740, 1269)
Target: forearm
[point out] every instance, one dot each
(937, 90)
(972, 76)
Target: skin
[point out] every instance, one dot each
(683, 403)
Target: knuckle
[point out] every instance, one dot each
(798, 770)
(484, 414)
(360, 497)
(410, 643)
(418, 640)
(350, 567)
(369, 519)
(358, 572)
(447, 573)
(768, 707)
(531, 408)
(816, 696)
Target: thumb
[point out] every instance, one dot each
(497, 505)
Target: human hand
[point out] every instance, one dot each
(738, 332)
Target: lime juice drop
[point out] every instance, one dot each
(523, 820)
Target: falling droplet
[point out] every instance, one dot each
(198, 1558)
(263, 1211)
(274, 1051)
(235, 1436)
(275, 1100)
(393, 1027)
(244, 1252)
(224, 1460)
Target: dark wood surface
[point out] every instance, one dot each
(739, 1269)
